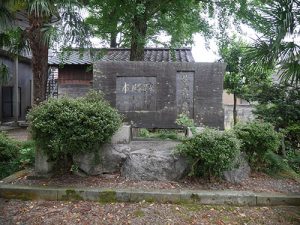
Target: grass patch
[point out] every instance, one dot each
(163, 134)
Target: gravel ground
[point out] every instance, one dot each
(70, 213)
(258, 182)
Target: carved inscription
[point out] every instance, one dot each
(185, 93)
(136, 93)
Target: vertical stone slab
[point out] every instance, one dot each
(42, 165)
(122, 136)
(185, 93)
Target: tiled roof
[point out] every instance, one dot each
(75, 57)
(24, 56)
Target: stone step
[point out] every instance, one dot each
(105, 195)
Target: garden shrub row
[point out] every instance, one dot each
(212, 152)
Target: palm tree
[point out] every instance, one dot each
(42, 22)
(278, 46)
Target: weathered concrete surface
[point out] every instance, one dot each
(244, 114)
(176, 87)
(154, 161)
(240, 172)
(42, 164)
(122, 136)
(108, 159)
(125, 195)
(189, 132)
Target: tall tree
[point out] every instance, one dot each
(278, 24)
(241, 79)
(141, 21)
(42, 21)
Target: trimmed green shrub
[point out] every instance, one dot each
(257, 139)
(66, 126)
(8, 148)
(293, 158)
(184, 121)
(211, 152)
(14, 155)
(278, 165)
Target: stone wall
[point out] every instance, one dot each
(244, 114)
(152, 95)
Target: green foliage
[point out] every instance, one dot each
(278, 23)
(65, 126)
(163, 134)
(8, 147)
(257, 138)
(138, 23)
(278, 165)
(293, 159)
(144, 132)
(44, 23)
(184, 121)
(240, 79)
(279, 104)
(4, 74)
(27, 154)
(211, 152)
(14, 155)
(179, 19)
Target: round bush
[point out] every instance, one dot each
(211, 152)
(257, 139)
(68, 126)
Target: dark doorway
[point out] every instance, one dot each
(7, 102)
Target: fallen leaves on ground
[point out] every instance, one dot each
(82, 212)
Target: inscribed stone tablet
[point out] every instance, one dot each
(136, 93)
(185, 93)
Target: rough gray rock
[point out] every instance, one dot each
(154, 164)
(42, 164)
(111, 158)
(240, 172)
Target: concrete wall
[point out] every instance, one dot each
(153, 100)
(25, 78)
(228, 99)
(244, 114)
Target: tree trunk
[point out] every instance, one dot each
(138, 38)
(39, 51)
(113, 40)
(234, 109)
(114, 24)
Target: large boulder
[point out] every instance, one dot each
(154, 164)
(108, 159)
(240, 171)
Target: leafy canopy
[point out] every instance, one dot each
(137, 23)
(278, 24)
(241, 78)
